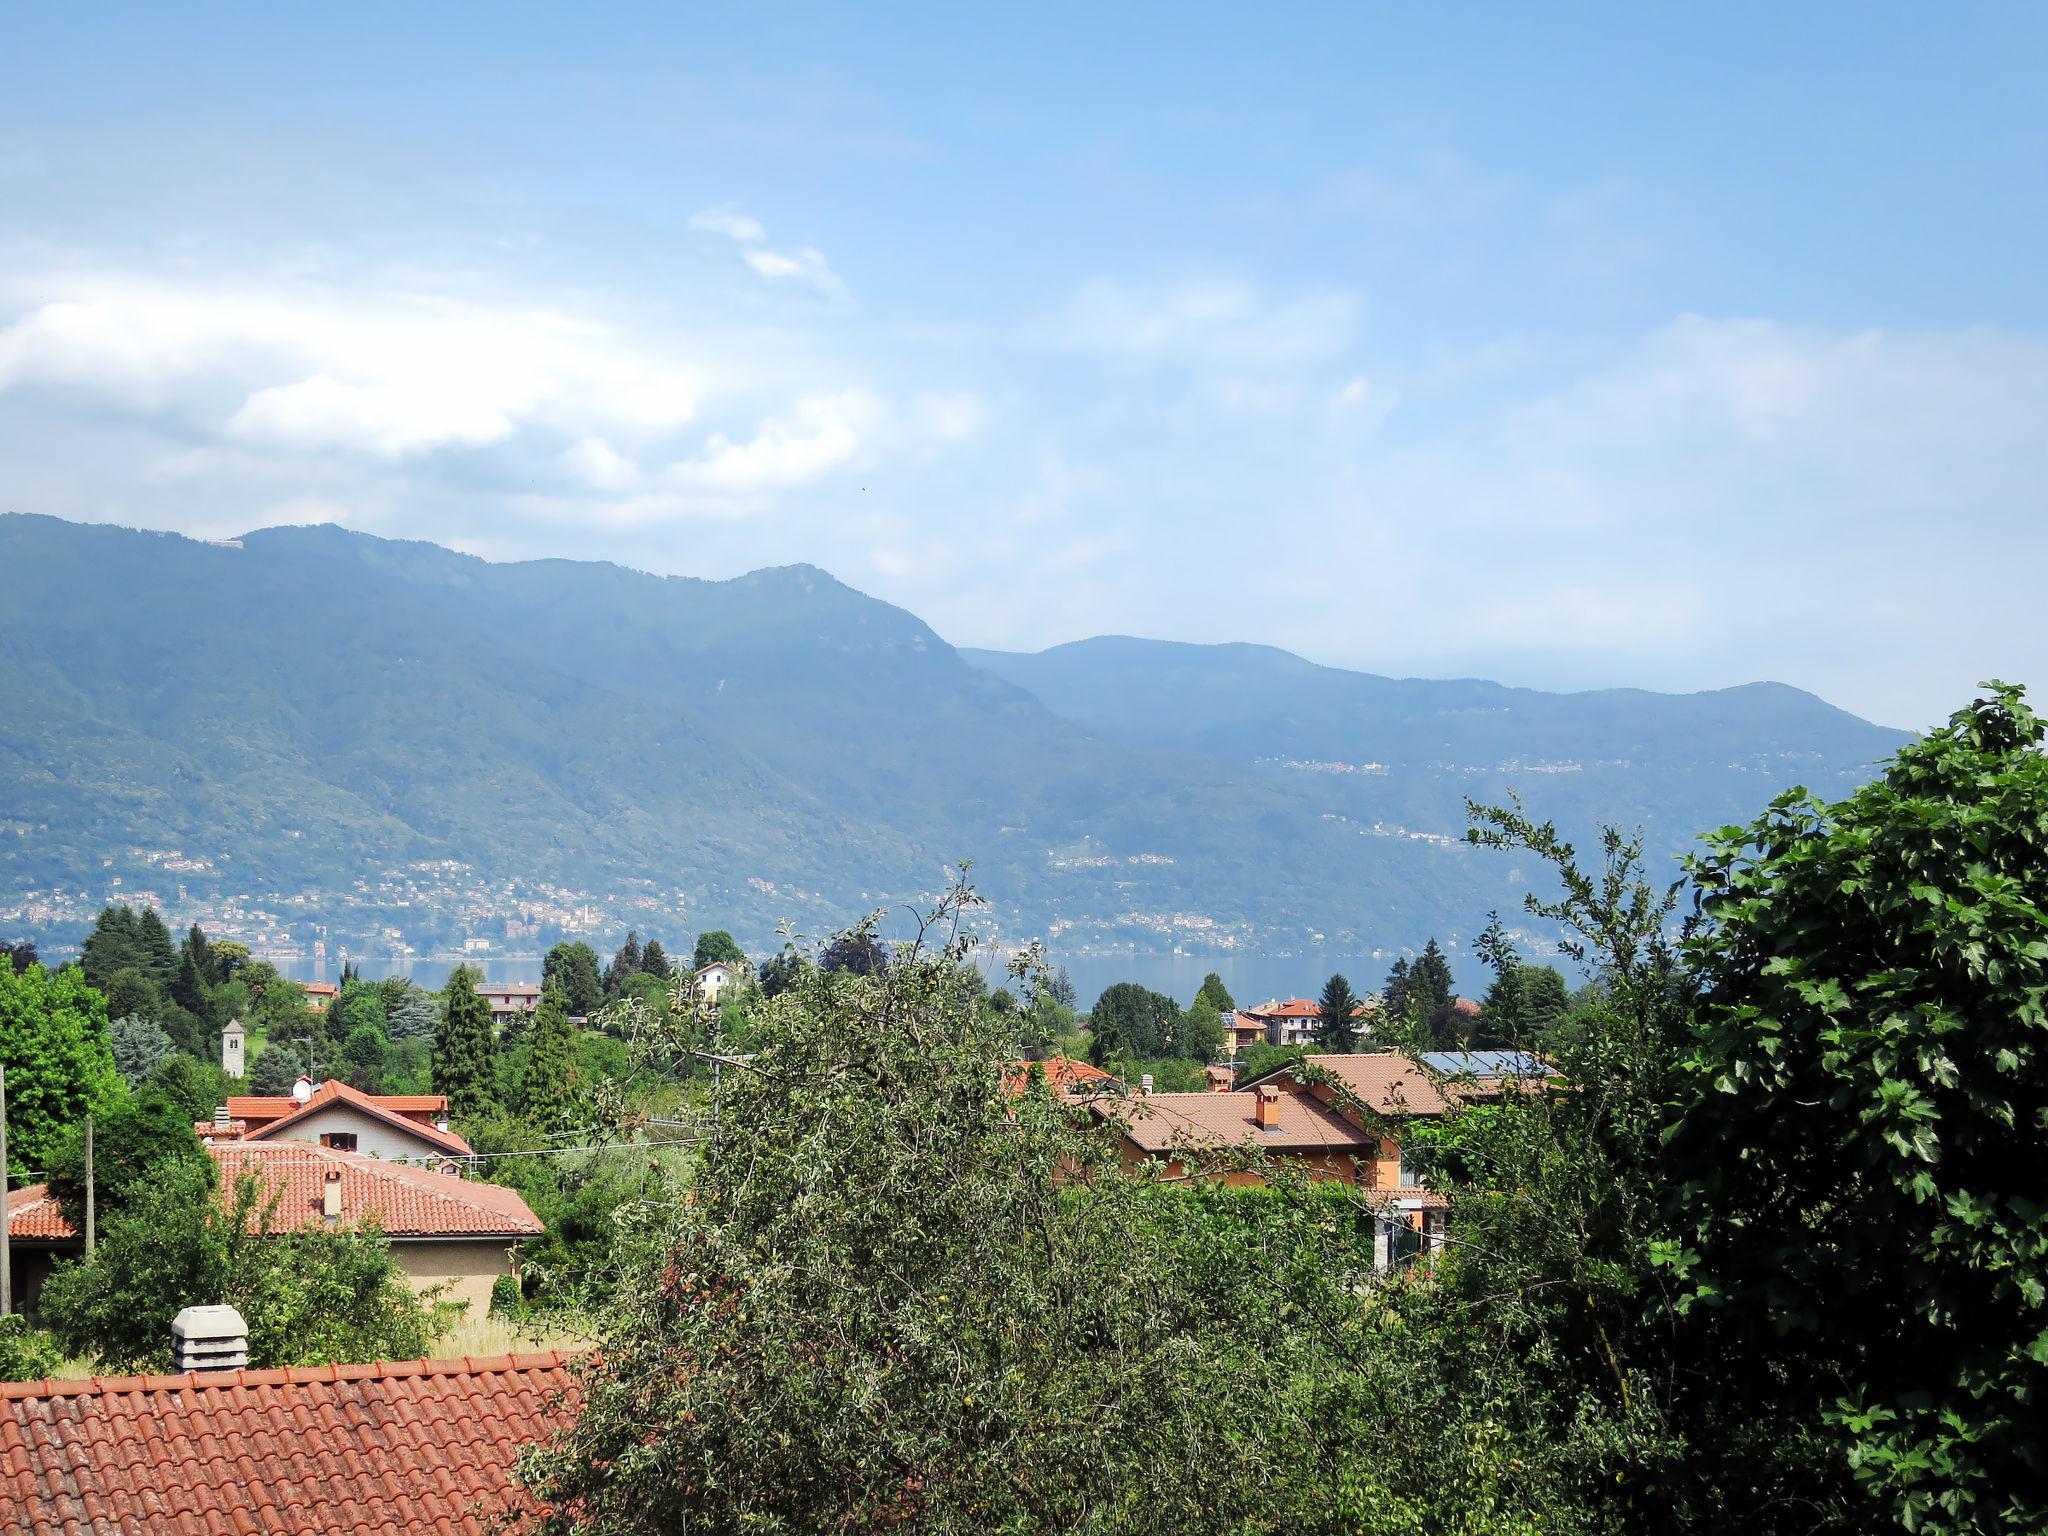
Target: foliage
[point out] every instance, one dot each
(572, 967)
(625, 965)
(1201, 1032)
(276, 1067)
(355, 1006)
(1132, 1021)
(1259, 1059)
(781, 971)
(309, 1296)
(551, 1064)
(364, 1058)
(1337, 1025)
(415, 1014)
(196, 1087)
(26, 1353)
(856, 953)
(654, 961)
(465, 1050)
(139, 1047)
(902, 1299)
(715, 946)
(20, 954)
(141, 1138)
(60, 1065)
(1215, 993)
(1874, 1037)
(124, 939)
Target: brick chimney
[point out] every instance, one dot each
(330, 1195)
(1266, 1106)
(210, 1339)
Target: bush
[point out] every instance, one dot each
(26, 1354)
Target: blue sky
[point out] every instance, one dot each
(1571, 346)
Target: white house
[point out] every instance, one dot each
(714, 978)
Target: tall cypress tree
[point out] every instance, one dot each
(157, 954)
(551, 1067)
(625, 964)
(200, 948)
(1429, 983)
(654, 960)
(1337, 1030)
(464, 1051)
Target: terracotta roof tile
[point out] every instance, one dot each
(1385, 1081)
(399, 1448)
(401, 1111)
(1064, 1073)
(403, 1200)
(1163, 1122)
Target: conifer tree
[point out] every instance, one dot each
(156, 954)
(1394, 994)
(551, 1066)
(1430, 987)
(1337, 1030)
(654, 961)
(464, 1050)
(625, 965)
(572, 967)
(200, 948)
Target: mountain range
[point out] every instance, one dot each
(332, 733)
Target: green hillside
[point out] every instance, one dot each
(312, 714)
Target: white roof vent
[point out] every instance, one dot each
(210, 1339)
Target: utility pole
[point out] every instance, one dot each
(91, 1203)
(6, 1218)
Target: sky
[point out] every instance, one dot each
(1571, 346)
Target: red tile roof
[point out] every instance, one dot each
(344, 1450)
(403, 1200)
(1212, 1122)
(1384, 1081)
(1064, 1074)
(409, 1112)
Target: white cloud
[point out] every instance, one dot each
(728, 221)
(821, 433)
(1220, 322)
(382, 374)
(599, 465)
(804, 266)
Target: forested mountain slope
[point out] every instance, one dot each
(301, 716)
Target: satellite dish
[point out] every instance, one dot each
(302, 1090)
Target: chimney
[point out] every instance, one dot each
(1266, 1106)
(220, 1117)
(330, 1195)
(1145, 1084)
(210, 1339)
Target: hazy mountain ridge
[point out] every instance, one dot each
(317, 706)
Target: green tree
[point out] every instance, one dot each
(624, 967)
(189, 989)
(856, 953)
(310, 1296)
(131, 994)
(415, 1013)
(1060, 988)
(364, 1058)
(551, 1064)
(1337, 1025)
(1430, 988)
(195, 1086)
(123, 939)
(464, 1050)
(139, 1139)
(276, 1067)
(1394, 991)
(654, 961)
(573, 969)
(909, 1301)
(1132, 1021)
(1201, 1032)
(1215, 993)
(204, 961)
(781, 972)
(138, 1047)
(60, 1062)
(1873, 1042)
(356, 1006)
(715, 946)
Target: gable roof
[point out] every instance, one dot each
(1384, 1081)
(406, 1202)
(392, 1111)
(1213, 1122)
(391, 1448)
(1063, 1074)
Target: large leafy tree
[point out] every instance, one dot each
(1215, 993)
(1337, 1025)
(901, 1299)
(60, 1062)
(1130, 1021)
(572, 967)
(309, 1296)
(140, 1139)
(1861, 1168)
(715, 946)
(465, 1052)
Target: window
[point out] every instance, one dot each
(1409, 1178)
(340, 1141)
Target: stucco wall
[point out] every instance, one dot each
(373, 1137)
(467, 1266)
